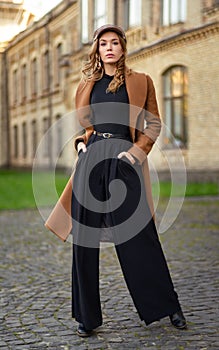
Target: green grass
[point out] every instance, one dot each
(192, 189)
(16, 189)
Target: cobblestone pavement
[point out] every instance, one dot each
(35, 280)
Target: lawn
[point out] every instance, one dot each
(192, 189)
(16, 189)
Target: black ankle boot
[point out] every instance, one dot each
(178, 320)
(83, 332)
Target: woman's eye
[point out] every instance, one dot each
(102, 44)
(115, 43)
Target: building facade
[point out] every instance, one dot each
(13, 19)
(176, 42)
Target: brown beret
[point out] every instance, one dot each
(109, 28)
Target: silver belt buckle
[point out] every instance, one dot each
(107, 135)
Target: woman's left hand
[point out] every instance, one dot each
(128, 156)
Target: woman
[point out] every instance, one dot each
(113, 103)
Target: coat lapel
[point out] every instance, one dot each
(136, 85)
(82, 98)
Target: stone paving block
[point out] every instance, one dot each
(35, 293)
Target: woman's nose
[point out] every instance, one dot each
(109, 47)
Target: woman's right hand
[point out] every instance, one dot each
(81, 147)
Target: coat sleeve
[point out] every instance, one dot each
(146, 138)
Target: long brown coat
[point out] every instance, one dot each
(142, 98)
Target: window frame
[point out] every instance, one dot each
(15, 85)
(24, 81)
(175, 139)
(45, 71)
(16, 141)
(46, 148)
(34, 74)
(24, 139)
(34, 136)
(59, 135)
(84, 21)
(99, 19)
(169, 11)
(58, 57)
(134, 22)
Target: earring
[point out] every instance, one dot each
(98, 61)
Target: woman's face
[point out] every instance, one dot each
(110, 49)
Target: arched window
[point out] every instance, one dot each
(34, 137)
(59, 136)
(45, 71)
(46, 148)
(34, 73)
(15, 128)
(58, 56)
(15, 86)
(175, 90)
(24, 137)
(24, 82)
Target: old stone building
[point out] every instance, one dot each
(13, 19)
(176, 42)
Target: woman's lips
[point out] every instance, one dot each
(110, 55)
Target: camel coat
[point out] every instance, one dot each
(143, 108)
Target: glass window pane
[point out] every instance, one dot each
(183, 10)
(99, 13)
(168, 122)
(178, 130)
(24, 134)
(34, 76)
(175, 86)
(84, 20)
(185, 83)
(166, 7)
(174, 11)
(177, 82)
(34, 137)
(134, 13)
(100, 22)
(14, 87)
(15, 141)
(167, 85)
(58, 135)
(100, 8)
(58, 60)
(46, 139)
(24, 81)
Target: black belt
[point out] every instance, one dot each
(108, 135)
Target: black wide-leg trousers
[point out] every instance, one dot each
(146, 274)
(136, 241)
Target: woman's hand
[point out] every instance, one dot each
(81, 147)
(128, 156)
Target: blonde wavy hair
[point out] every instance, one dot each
(93, 69)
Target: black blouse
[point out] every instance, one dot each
(110, 110)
